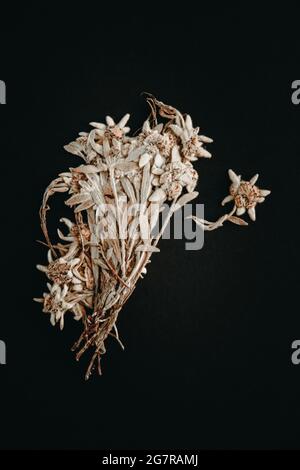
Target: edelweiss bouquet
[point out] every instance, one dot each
(117, 195)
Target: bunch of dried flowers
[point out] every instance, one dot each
(95, 266)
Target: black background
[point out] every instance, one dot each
(208, 333)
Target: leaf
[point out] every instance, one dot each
(234, 177)
(129, 190)
(146, 183)
(188, 122)
(61, 190)
(112, 226)
(123, 224)
(144, 227)
(98, 125)
(176, 129)
(83, 206)
(158, 128)
(100, 263)
(126, 166)
(78, 199)
(158, 195)
(204, 153)
(102, 167)
(185, 199)
(122, 123)
(149, 248)
(145, 158)
(110, 122)
(132, 227)
(98, 148)
(111, 300)
(106, 148)
(205, 139)
(237, 220)
(175, 154)
(197, 221)
(94, 255)
(153, 214)
(98, 196)
(86, 169)
(135, 154)
(159, 160)
(75, 148)
(146, 126)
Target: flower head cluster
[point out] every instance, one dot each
(177, 176)
(167, 150)
(245, 194)
(192, 143)
(57, 302)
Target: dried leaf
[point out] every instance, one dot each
(91, 141)
(176, 129)
(84, 206)
(129, 190)
(77, 199)
(149, 248)
(175, 154)
(153, 214)
(237, 220)
(145, 158)
(135, 154)
(159, 160)
(100, 263)
(75, 148)
(158, 195)
(133, 227)
(188, 197)
(146, 183)
(98, 125)
(144, 227)
(86, 169)
(126, 166)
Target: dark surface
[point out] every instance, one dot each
(208, 333)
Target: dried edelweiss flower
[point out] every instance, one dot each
(116, 195)
(56, 304)
(192, 143)
(245, 194)
(178, 175)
